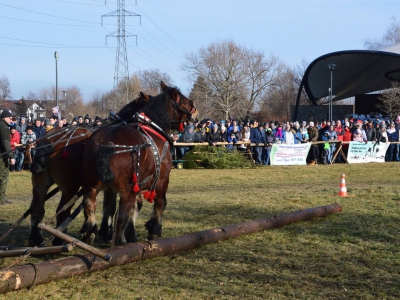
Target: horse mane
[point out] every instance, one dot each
(127, 112)
(154, 107)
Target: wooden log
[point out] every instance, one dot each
(20, 277)
(36, 251)
(76, 242)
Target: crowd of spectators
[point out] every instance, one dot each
(264, 135)
(23, 134)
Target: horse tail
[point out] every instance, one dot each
(41, 159)
(103, 154)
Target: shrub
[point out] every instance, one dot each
(210, 157)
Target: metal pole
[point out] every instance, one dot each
(65, 102)
(56, 56)
(331, 96)
(206, 106)
(331, 67)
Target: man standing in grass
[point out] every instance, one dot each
(6, 153)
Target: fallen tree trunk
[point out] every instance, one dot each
(20, 277)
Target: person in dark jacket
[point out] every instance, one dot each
(257, 136)
(38, 129)
(186, 137)
(7, 155)
(269, 140)
(200, 136)
(213, 136)
(370, 131)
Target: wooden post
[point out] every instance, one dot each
(76, 242)
(36, 251)
(20, 277)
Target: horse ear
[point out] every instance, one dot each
(175, 95)
(144, 96)
(163, 86)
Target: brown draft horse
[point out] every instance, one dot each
(131, 159)
(58, 159)
(51, 165)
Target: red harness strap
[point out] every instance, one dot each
(146, 128)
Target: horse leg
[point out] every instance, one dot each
(89, 228)
(67, 195)
(40, 185)
(130, 232)
(127, 209)
(154, 225)
(109, 207)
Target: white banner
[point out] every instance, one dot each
(366, 152)
(288, 155)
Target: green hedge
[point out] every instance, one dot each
(210, 157)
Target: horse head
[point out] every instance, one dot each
(182, 109)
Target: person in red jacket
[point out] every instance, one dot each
(15, 139)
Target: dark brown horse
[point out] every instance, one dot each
(58, 160)
(131, 159)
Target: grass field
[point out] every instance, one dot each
(349, 255)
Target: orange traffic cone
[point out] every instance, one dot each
(343, 189)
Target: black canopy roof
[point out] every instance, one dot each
(356, 72)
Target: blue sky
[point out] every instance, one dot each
(293, 30)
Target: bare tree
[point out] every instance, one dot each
(390, 100)
(31, 96)
(390, 38)
(5, 91)
(150, 80)
(202, 95)
(236, 75)
(74, 101)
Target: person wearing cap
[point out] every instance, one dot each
(28, 138)
(97, 122)
(257, 136)
(48, 125)
(7, 155)
(313, 137)
(269, 141)
(392, 134)
(186, 137)
(87, 122)
(55, 111)
(200, 136)
(214, 136)
(21, 126)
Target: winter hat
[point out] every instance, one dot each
(54, 110)
(6, 114)
(190, 126)
(47, 122)
(29, 127)
(311, 124)
(215, 126)
(12, 126)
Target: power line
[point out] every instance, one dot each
(48, 15)
(163, 31)
(43, 43)
(48, 23)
